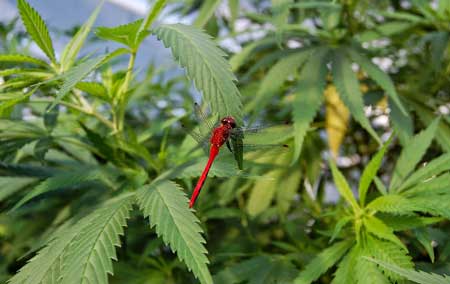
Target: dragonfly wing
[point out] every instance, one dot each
(237, 144)
(206, 124)
(202, 140)
(271, 134)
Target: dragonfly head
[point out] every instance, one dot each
(228, 121)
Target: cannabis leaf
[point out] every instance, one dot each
(411, 155)
(343, 186)
(205, 65)
(421, 277)
(166, 206)
(71, 50)
(21, 58)
(309, 96)
(36, 28)
(277, 74)
(370, 172)
(125, 34)
(88, 258)
(323, 261)
(61, 180)
(80, 251)
(80, 71)
(347, 85)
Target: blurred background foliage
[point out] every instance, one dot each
(359, 90)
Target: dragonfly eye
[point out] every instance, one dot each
(229, 121)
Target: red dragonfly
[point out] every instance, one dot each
(227, 132)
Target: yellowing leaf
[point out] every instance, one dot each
(336, 119)
(263, 191)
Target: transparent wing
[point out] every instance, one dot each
(202, 140)
(276, 134)
(206, 124)
(245, 140)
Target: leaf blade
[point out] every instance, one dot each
(71, 50)
(421, 277)
(37, 28)
(205, 65)
(378, 76)
(347, 85)
(411, 155)
(322, 262)
(309, 96)
(370, 172)
(88, 259)
(343, 187)
(166, 206)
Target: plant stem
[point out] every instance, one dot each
(123, 94)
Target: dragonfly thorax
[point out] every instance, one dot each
(220, 135)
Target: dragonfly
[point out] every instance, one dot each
(225, 132)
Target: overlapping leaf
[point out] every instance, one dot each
(336, 120)
(370, 172)
(309, 96)
(97, 234)
(276, 76)
(343, 186)
(421, 277)
(411, 155)
(63, 180)
(125, 34)
(21, 58)
(88, 258)
(322, 262)
(71, 50)
(389, 252)
(205, 65)
(347, 85)
(79, 72)
(166, 206)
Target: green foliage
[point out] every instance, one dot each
(36, 28)
(413, 275)
(347, 85)
(322, 262)
(411, 155)
(72, 49)
(370, 172)
(367, 272)
(85, 138)
(343, 187)
(81, 251)
(88, 258)
(206, 11)
(79, 72)
(205, 65)
(259, 269)
(21, 58)
(276, 76)
(125, 34)
(73, 178)
(176, 224)
(390, 253)
(309, 96)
